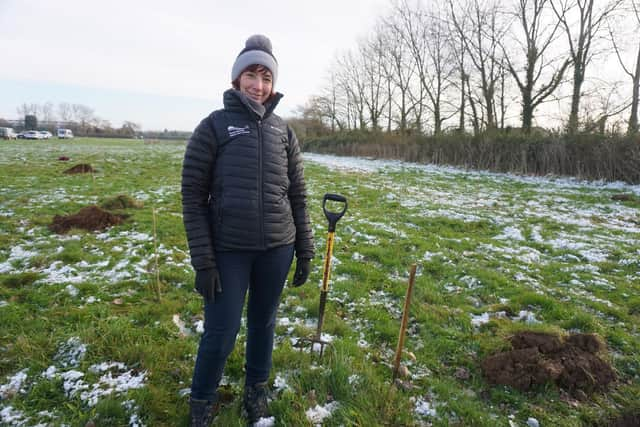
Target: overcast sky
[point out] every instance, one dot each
(165, 63)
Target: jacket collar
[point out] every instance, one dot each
(234, 100)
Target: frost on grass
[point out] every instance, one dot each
(318, 414)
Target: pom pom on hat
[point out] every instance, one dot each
(257, 50)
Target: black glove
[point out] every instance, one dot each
(303, 267)
(208, 283)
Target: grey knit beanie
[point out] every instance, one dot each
(257, 50)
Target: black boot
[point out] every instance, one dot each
(202, 412)
(255, 402)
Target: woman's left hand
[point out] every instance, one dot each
(303, 267)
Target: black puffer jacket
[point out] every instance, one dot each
(243, 184)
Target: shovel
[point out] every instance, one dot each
(333, 218)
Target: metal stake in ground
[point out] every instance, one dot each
(405, 319)
(333, 218)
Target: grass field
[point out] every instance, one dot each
(84, 336)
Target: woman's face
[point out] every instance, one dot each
(257, 85)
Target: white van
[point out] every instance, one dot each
(7, 133)
(65, 133)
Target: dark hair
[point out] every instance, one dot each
(254, 68)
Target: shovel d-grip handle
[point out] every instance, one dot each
(333, 217)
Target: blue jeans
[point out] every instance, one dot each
(264, 274)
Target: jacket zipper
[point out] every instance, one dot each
(260, 178)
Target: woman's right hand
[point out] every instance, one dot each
(208, 283)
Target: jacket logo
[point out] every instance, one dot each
(235, 131)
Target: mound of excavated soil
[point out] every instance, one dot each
(80, 168)
(89, 218)
(627, 420)
(539, 358)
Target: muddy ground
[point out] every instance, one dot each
(572, 363)
(90, 218)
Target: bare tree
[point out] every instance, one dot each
(351, 80)
(426, 34)
(65, 112)
(387, 68)
(83, 114)
(602, 104)
(533, 38)
(375, 96)
(46, 112)
(633, 73)
(27, 110)
(481, 40)
(402, 71)
(581, 36)
(457, 33)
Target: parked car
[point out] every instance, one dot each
(45, 134)
(7, 133)
(31, 134)
(65, 134)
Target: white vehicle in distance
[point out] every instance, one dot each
(65, 134)
(45, 134)
(32, 134)
(7, 133)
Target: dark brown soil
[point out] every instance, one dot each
(623, 197)
(89, 218)
(63, 158)
(80, 168)
(539, 358)
(627, 420)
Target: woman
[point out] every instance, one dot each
(245, 214)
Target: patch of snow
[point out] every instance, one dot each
(324, 337)
(470, 282)
(50, 373)
(280, 383)
(105, 366)
(423, 408)
(72, 290)
(12, 417)
(184, 331)
(510, 233)
(265, 422)
(317, 414)
(532, 422)
(357, 256)
(527, 316)
(479, 319)
(14, 386)
(198, 325)
(58, 272)
(71, 352)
